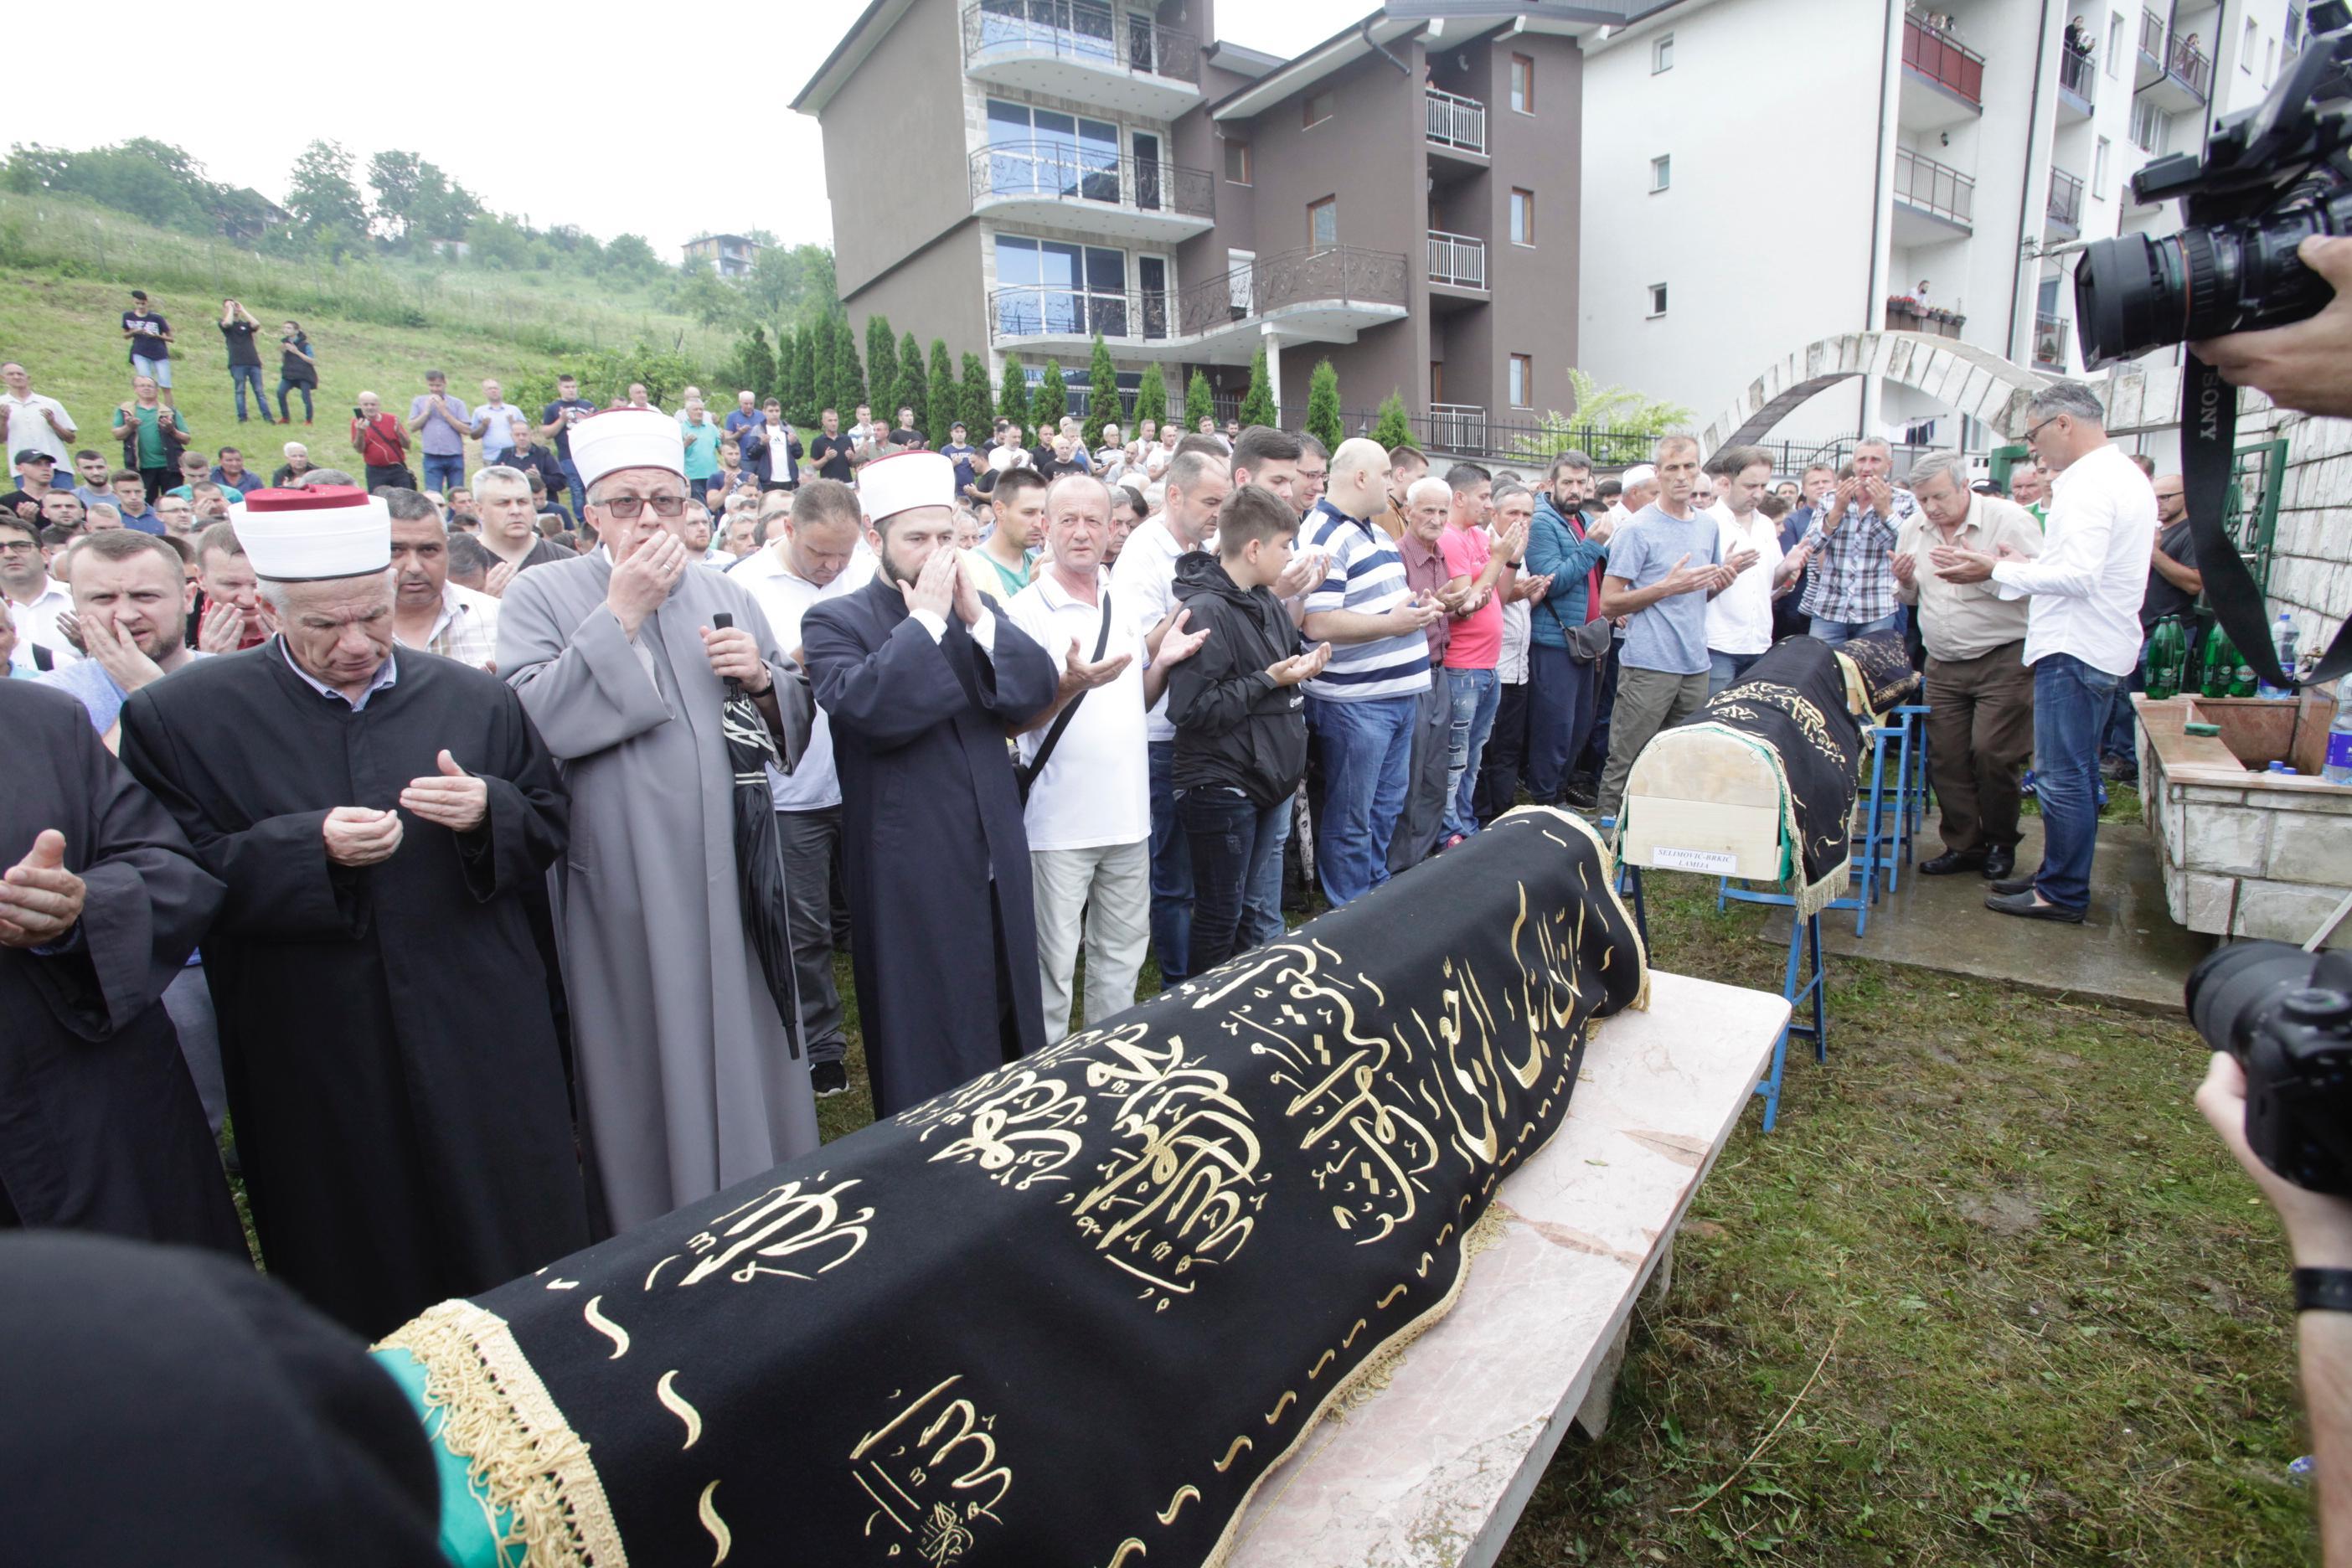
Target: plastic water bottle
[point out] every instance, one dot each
(2286, 638)
(2337, 768)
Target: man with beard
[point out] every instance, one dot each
(379, 820)
(428, 611)
(35, 599)
(922, 679)
(131, 597)
(687, 1082)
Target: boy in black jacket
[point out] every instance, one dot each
(1241, 723)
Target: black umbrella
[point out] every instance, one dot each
(759, 857)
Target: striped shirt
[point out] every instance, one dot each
(1368, 577)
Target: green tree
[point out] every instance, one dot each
(946, 398)
(1257, 403)
(849, 374)
(753, 369)
(791, 282)
(1052, 398)
(914, 384)
(1013, 401)
(882, 367)
(978, 400)
(631, 255)
(1616, 424)
(811, 373)
(1151, 401)
(1102, 395)
(707, 296)
(1198, 401)
(1323, 418)
(319, 193)
(1393, 428)
(789, 371)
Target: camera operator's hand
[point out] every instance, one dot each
(2318, 1224)
(2307, 365)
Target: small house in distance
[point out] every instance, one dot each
(731, 254)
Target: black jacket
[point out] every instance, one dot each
(1234, 727)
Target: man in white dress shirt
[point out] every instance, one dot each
(2082, 632)
(1740, 620)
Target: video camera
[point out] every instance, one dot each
(2287, 1016)
(2268, 176)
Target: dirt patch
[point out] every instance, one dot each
(2004, 1214)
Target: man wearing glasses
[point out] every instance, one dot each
(686, 1080)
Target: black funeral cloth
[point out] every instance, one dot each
(918, 725)
(99, 1125)
(1793, 703)
(392, 1062)
(1884, 673)
(1074, 1311)
(167, 1406)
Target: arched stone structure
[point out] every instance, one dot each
(1965, 379)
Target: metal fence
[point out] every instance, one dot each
(2078, 77)
(1092, 34)
(2065, 199)
(1459, 259)
(1938, 188)
(2187, 65)
(1336, 272)
(1456, 122)
(1942, 59)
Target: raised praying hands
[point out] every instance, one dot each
(1299, 667)
(1174, 644)
(1740, 560)
(358, 836)
(495, 580)
(1306, 569)
(1905, 566)
(453, 799)
(1077, 674)
(40, 901)
(1954, 564)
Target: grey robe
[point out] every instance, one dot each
(687, 1079)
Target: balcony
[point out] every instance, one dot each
(1092, 190)
(1457, 124)
(1312, 296)
(1457, 260)
(1456, 427)
(2187, 81)
(2066, 210)
(2078, 86)
(2049, 341)
(2149, 64)
(1943, 79)
(1905, 314)
(1089, 54)
(1933, 201)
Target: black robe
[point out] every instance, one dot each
(929, 813)
(393, 1066)
(99, 1125)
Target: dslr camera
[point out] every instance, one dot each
(2268, 176)
(2287, 1016)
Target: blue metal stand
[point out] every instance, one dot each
(1802, 933)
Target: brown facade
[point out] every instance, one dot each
(894, 146)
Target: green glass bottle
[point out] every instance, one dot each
(2221, 663)
(2160, 673)
(2242, 676)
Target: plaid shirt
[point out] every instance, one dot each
(1850, 578)
(467, 630)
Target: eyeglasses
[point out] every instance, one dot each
(628, 507)
(17, 547)
(2045, 425)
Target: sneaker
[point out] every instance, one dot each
(1451, 840)
(828, 1078)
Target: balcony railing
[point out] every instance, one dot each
(2079, 76)
(1070, 171)
(2065, 199)
(1944, 59)
(1339, 272)
(1093, 34)
(2049, 340)
(2151, 35)
(1457, 426)
(2187, 65)
(1026, 311)
(1459, 259)
(1921, 182)
(1456, 122)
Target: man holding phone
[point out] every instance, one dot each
(382, 444)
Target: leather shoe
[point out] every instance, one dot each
(2027, 906)
(2000, 862)
(2007, 885)
(1951, 861)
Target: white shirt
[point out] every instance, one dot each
(37, 623)
(1511, 665)
(467, 629)
(28, 431)
(1145, 579)
(1096, 790)
(784, 598)
(1740, 620)
(2092, 572)
(498, 436)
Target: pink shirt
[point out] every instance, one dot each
(1477, 640)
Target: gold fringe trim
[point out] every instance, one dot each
(520, 1452)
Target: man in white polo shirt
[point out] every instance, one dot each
(1740, 620)
(816, 551)
(1088, 812)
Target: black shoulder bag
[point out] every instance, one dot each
(1024, 775)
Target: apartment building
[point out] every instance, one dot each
(1015, 176)
(731, 255)
(1764, 173)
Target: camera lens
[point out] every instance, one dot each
(2234, 985)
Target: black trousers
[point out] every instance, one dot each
(1506, 754)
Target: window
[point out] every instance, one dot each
(2148, 125)
(1237, 163)
(1522, 84)
(2114, 43)
(1038, 152)
(1662, 54)
(1318, 106)
(1323, 223)
(1049, 286)
(1657, 298)
(1523, 218)
(2246, 52)
(1662, 173)
(1523, 381)
(2099, 172)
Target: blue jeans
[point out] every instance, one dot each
(1231, 839)
(240, 375)
(1723, 669)
(1172, 871)
(1563, 701)
(1475, 692)
(2121, 736)
(159, 369)
(285, 386)
(579, 492)
(1836, 632)
(445, 472)
(1262, 921)
(2071, 702)
(1367, 758)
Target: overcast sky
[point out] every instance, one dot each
(542, 130)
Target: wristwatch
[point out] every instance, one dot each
(2323, 1289)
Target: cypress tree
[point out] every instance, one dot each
(1257, 404)
(1102, 395)
(1323, 418)
(1393, 428)
(882, 368)
(947, 398)
(1012, 400)
(800, 395)
(1198, 400)
(849, 374)
(978, 401)
(1151, 402)
(1052, 399)
(914, 386)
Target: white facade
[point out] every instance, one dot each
(1830, 156)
